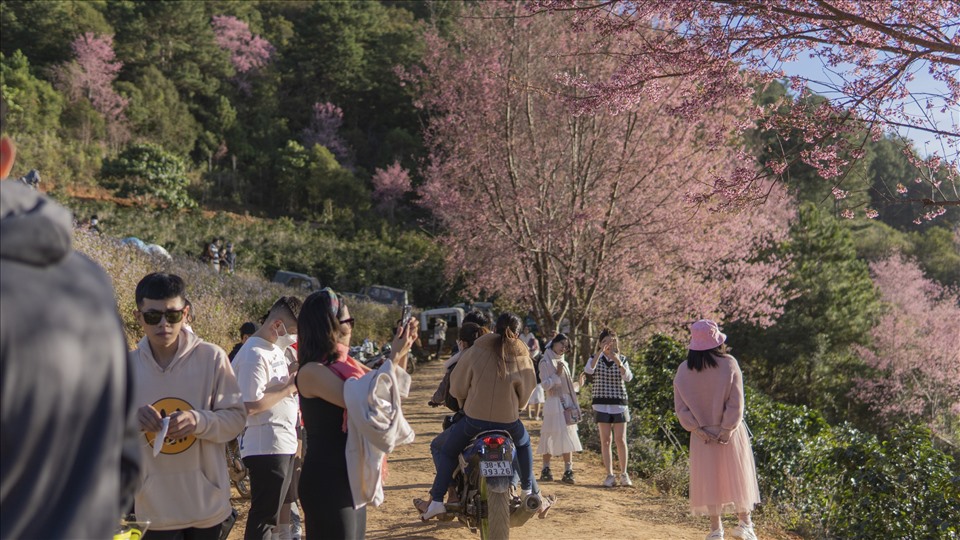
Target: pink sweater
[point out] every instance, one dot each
(711, 399)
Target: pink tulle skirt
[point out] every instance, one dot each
(723, 477)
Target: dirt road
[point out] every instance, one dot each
(584, 510)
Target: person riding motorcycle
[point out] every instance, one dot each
(493, 381)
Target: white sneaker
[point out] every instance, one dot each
(610, 481)
(744, 532)
(715, 535)
(625, 480)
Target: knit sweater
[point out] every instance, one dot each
(484, 394)
(608, 385)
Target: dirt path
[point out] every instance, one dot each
(584, 510)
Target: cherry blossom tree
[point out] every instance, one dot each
(727, 48)
(248, 53)
(915, 351)
(578, 216)
(91, 75)
(324, 130)
(389, 185)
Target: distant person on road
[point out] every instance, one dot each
(557, 437)
(708, 399)
(188, 381)
(534, 406)
(229, 259)
(70, 446)
(439, 334)
(94, 224)
(610, 371)
(212, 254)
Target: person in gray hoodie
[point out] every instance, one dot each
(69, 452)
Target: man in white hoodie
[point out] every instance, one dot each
(188, 390)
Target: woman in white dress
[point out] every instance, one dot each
(556, 437)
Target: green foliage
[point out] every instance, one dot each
(345, 53)
(875, 240)
(147, 170)
(45, 30)
(310, 177)
(859, 486)
(33, 105)
(157, 113)
(805, 357)
(938, 253)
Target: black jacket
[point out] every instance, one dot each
(68, 440)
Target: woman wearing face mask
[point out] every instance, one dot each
(556, 437)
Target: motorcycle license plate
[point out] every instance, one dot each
(496, 468)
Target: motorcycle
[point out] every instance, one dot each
(374, 359)
(484, 484)
(239, 476)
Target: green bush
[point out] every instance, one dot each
(149, 171)
(823, 481)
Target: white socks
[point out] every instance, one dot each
(435, 509)
(568, 466)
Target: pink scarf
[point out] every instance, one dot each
(345, 368)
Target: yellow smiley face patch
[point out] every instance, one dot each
(166, 407)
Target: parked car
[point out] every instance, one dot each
(297, 280)
(386, 295)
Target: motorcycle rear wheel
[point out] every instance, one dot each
(496, 524)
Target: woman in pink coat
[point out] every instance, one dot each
(708, 398)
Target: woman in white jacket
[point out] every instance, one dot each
(556, 437)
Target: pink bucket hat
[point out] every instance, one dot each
(705, 335)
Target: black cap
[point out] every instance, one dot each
(247, 329)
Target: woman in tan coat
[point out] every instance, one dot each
(708, 398)
(493, 381)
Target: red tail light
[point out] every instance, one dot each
(493, 441)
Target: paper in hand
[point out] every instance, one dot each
(158, 441)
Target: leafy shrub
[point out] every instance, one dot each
(824, 481)
(860, 486)
(147, 170)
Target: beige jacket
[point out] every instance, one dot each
(187, 484)
(483, 394)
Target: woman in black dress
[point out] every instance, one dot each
(324, 485)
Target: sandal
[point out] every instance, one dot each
(428, 509)
(546, 503)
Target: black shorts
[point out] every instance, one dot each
(607, 418)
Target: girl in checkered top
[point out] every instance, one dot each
(610, 371)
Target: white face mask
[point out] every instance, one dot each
(286, 339)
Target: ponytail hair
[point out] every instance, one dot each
(508, 327)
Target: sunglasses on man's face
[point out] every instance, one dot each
(172, 316)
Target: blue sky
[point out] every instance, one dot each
(922, 86)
